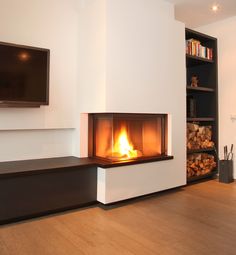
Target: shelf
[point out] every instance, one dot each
(201, 177)
(200, 150)
(200, 119)
(194, 60)
(200, 89)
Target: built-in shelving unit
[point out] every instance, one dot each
(205, 95)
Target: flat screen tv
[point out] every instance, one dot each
(24, 76)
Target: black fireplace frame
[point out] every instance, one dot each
(92, 117)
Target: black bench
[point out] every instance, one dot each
(32, 188)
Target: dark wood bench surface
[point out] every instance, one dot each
(41, 165)
(36, 166)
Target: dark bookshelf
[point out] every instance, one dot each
(205, 95)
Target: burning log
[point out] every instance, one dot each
(199, 137)
(200, 164)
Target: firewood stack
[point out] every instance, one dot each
(199, 137)
(200, 164)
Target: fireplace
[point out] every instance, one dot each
(124, 136)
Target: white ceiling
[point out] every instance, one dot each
(196, 13)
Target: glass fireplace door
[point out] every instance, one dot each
(122, 136)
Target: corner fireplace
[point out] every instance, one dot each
(125, 136)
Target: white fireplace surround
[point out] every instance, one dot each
(135, 63)
(124, 182)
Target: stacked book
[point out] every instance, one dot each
(194, 48)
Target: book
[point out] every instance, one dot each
(195, 48)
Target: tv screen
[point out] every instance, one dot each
(24, 75)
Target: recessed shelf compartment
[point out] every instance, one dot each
(194, 60)
(198, 36)
(201, 177)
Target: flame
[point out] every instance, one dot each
(123, 147)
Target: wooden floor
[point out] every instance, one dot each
(199, 219)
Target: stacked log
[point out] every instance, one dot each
(200, 164)
(199, 137)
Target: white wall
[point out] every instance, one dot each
(91, 93)
(49, 24)
(91, 56)
(32, 144)
(225, 32)
(142, 65)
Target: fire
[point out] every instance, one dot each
(123, 148)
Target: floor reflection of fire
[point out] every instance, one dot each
(118, 137)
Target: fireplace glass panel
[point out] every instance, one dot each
(118, 137)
